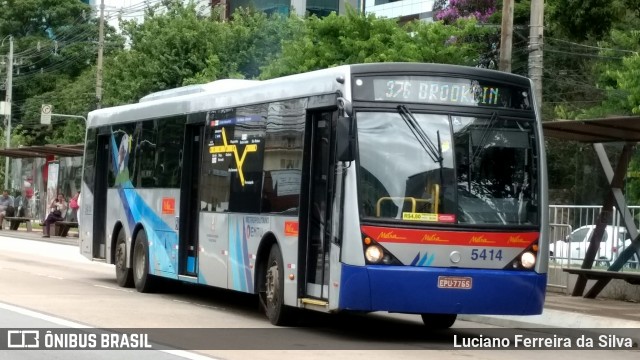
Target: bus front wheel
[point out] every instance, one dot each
(124, 275)
(143, 281)
(439, 321)
(273, 295)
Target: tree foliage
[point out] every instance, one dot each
(354, 38)
(450, 11)
(582, 19)
(179, 46)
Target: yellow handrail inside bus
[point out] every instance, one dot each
(434, 200)
(435, 197)
(412, 199)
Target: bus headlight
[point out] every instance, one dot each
(528, 260)
(373, 254)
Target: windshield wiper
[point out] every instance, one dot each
(434, 151)
(483, 137)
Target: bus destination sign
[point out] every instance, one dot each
(441, 90)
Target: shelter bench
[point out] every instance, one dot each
(630, 277)
(61, 228)
(16, 221)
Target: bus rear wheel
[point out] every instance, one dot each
(438, 321)
(124, 275)
(273, 294)
(143, 281)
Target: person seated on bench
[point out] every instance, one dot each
(23, 205)
(6, 207)
(58, 212)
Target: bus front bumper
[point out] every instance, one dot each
(415, 290)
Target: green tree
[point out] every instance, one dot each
(180, 47)
(582, 19)
(355, 38)
(55, 48)
(54, 44)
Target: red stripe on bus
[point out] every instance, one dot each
(461, 238)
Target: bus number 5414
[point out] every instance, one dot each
(484, 254)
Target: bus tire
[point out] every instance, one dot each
(275, 309)
(438, 321)
(124, 275)
(143, 281)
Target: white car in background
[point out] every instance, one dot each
(574, 248)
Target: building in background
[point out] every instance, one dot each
(405, 10)
(300, 7)
(132, 9)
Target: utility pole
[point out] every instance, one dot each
(99, 64)
(8, 116)
(506, 36)
(535, 49)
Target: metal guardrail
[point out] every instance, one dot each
(556, 277)
(577, 216)
(564, 219)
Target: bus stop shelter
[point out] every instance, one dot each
(43, 151)
(597, 132)
(39, 156)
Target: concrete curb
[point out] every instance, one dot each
(553, 319)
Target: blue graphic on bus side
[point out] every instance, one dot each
(425, 260)
(161, 237)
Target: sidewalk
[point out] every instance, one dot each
(565, 311)
(36, 234)
(560, 311)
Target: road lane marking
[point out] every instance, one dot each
(62, 322)
(198, 304)
(113, 288)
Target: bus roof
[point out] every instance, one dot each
(232, 93)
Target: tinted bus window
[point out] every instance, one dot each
(232, 160)
(145, 176)
(170, 134)
(90, 158)
(283, 156)
(246, 181)
(122, 155)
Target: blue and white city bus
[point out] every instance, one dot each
(399, 187)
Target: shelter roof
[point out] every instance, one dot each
(614, 129)
(42, 151)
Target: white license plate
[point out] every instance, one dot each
(454, 282)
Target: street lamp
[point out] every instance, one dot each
(9, 89)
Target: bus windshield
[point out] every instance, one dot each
(455, 169)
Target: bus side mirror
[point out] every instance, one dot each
(345, 139)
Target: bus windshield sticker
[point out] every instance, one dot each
(413, 216)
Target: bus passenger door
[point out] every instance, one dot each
(102, 168)
(320, 176)
(189, 204)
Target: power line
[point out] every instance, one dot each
(593, 47)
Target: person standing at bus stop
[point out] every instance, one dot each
(74, 205)
(58, 210)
